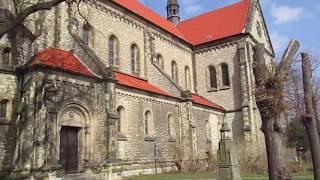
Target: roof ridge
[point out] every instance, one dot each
(214, 10)
(183, 33)
(141, 85)
(131, 75)
(84, 64)
(58, 58)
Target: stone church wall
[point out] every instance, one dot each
(229, 98)
(8, 88)
(175, 52)
(106, 20)
(138, 146)
(207, 142)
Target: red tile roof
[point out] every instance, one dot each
(138, 83)
(217, 24)
(141, 84)
(214, 25)
(63, 60)
(139, 9)
(205, 102)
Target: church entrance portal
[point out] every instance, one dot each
(69, 149)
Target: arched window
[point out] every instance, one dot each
(122, 120)
(160, 61)
(187, 78)
(148, 123)
(213, 77)
(113, 50)
(3, 108)
(225, 75)
(6, 54)
(174, 71)
(171, 126)
(135, 57)
(86, 33)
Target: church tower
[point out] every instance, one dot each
(173, 11)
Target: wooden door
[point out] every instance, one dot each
(69, 149)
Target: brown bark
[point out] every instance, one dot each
(315, 108)
(270, 101)
(309, 118)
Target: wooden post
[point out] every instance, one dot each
(309, 118)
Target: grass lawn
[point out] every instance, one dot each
(174, 176)
(208, 176)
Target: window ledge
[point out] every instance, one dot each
(171, 139)
(6, 68)
(212, 90)
(150, 139)
(4, 121)
(122, 137)
(136, 74)
(225, 88)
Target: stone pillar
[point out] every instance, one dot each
(186, 133)
(228, 166)
(113, 118)
(52, 135)
(245, 91)
(26, 128)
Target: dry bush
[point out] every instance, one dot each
(197, 166)
(179, 156)
(255, 164)
(194, 165)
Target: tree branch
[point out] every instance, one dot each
(21, 16)
(287, 58)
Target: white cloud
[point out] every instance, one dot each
(283, 14)
(191, 7)
(279, 41)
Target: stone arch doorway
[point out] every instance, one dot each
(74, 140)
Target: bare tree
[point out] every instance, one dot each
(270, 101)
(294, 94)
(12, 24)
(309, 117)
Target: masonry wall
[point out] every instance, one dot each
(137, 147)
(229, 98)
(232, 99)
(207, 142)
(173, 51)
(108, 19)
(8, 90)
(257, 20)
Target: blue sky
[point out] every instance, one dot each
(286, 19)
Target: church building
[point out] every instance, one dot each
(111, 89)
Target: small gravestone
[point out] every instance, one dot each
(228, 166)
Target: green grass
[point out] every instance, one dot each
(174, 176)
(210, 175)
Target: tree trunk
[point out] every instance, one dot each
(314, 103)
(309, 118)
(270, 102)
(273, 134)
